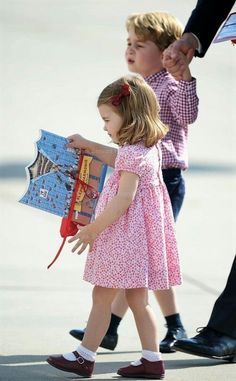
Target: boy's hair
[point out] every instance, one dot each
(159, 27)
(139, 110)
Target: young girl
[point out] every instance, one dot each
(132, 241)
(149, 34)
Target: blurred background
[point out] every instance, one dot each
(56, 56)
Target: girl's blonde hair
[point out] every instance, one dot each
(160, 27)
(139, 110)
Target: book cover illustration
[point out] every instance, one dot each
(52, 176)
(228, 30)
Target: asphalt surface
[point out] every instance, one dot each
(56, 58)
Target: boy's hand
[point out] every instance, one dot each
(85, 236)
(77, 141)
(173, 56)
(179, 71)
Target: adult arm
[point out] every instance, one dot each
(203, 23)
(206, 19)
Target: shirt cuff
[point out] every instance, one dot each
(188, 88)
(199, 45)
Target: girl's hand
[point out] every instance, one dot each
(85, 236)
(77, 141)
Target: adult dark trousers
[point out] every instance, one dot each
(223, 316)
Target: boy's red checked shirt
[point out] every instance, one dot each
(178, 108)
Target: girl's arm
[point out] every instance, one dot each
(128, 185)
(104, 153)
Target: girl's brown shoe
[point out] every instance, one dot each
(147, 369)
(80, 366)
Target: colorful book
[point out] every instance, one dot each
(53, 174)
(228, 30)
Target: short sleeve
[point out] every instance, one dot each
(130, 160)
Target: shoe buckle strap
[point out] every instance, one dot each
(79, 358)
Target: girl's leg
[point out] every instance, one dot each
(118, 310)
(150, 365)
(99, 317)
(144, 318)
(82, 360)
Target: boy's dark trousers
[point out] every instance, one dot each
(176, 188)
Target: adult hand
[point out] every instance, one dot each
(179, 54)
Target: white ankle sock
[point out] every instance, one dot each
(69, 356)
(136, 363)
(148, 355)
(151, 356)
(84, 352)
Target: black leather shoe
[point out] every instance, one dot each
(209, 343)
(173, 334)
(108, 342)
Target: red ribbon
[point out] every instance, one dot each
(125, 91)
(68, 227)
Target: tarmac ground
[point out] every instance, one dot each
(40, 306)
(56, 56)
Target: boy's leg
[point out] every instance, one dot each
(166, 298)
(120, 305)
(167, 301)
(119, 308)
(175, 329)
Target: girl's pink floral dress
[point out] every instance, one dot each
(139, 249)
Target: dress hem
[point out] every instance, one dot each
(132, 287)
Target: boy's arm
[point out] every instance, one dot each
(183, 98)
(104, 153)
(186, 76)
(128, 185)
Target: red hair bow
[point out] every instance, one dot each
(125, 91)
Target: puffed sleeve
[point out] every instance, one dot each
(130, 160)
